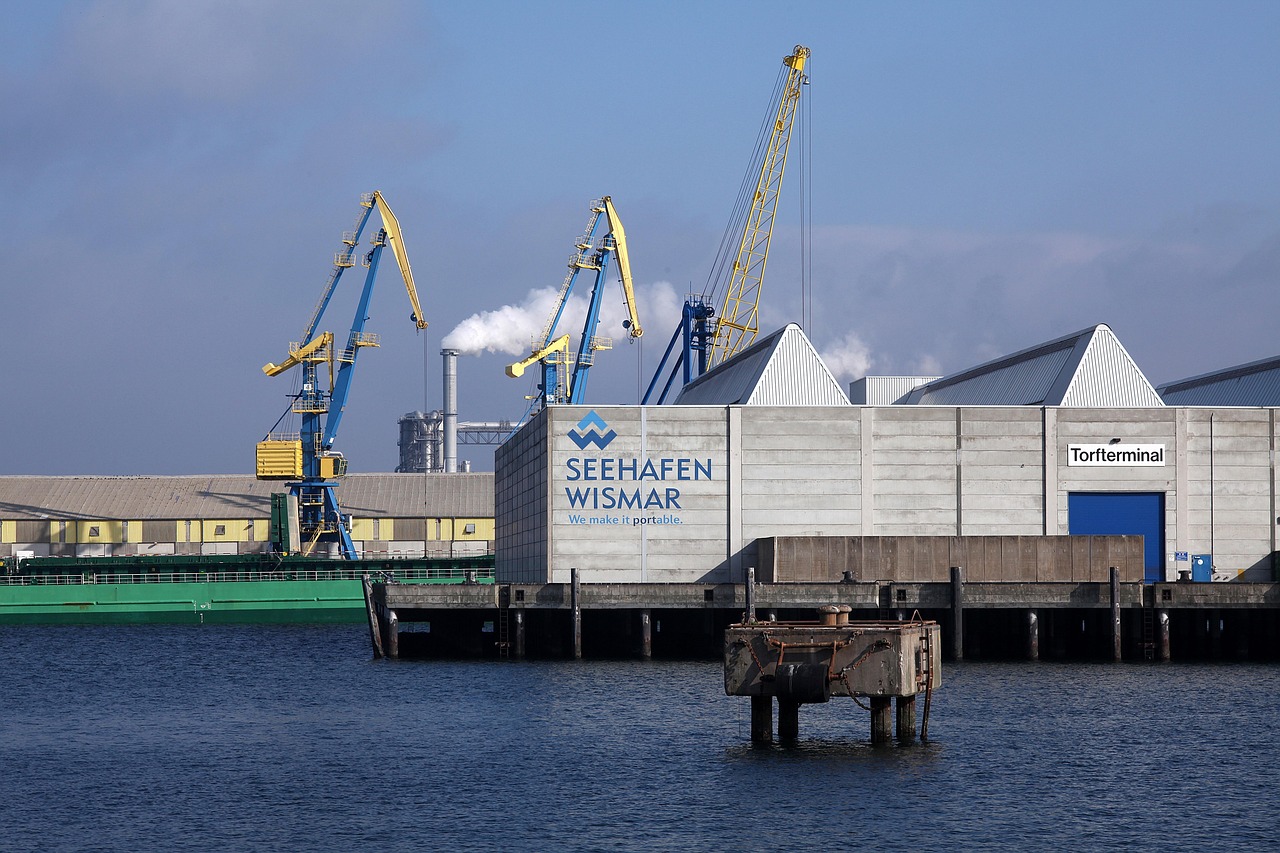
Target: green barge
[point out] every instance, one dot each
(223, 589)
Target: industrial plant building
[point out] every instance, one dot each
(1064, 439)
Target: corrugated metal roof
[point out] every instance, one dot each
(1254, 384)
(236, 496)
(782, 369)
(1085, 369)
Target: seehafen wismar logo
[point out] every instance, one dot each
(592, 430)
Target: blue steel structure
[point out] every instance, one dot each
(314, 482)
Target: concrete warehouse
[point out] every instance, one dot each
(1065, 438)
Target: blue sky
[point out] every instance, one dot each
(985, 176)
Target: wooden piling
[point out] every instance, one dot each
(957, 612)
(906, 718)
(1162, 634)
(751, 594)
(762, 719)
(375, 630)
(519, 639)
(1033, 635)
(1116, 645)
(788, 720)
(646, 635)
(881, 720)
(576, 596)
(393, 635)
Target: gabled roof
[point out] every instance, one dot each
(782, 369)
(1254, 384)
(234, 496)
(1089, 368)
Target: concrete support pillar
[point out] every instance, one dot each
(881, 720)
(1116, 645)
(518, 616)
(957, 612)
(789, 720)
(1033, 635)
(1162, 635)
(906, 722)
(762, 719)
(1241, 618)
(393, 635)
(575, 600)
(646, 636)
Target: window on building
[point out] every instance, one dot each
(219, 530)
(468, 529)
(94, 531)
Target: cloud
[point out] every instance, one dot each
(848, 359)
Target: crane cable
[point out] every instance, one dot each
(722, 268)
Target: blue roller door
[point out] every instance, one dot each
(1122, 513)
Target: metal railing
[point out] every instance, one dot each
(284, 574)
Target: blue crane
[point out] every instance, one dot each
(564, 377)
(307, 459)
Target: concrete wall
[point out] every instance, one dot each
(928, 559)
(865, 471)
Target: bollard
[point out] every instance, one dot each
(957, 612)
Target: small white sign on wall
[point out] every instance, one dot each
(1115, 455)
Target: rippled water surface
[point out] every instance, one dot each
(289, 738)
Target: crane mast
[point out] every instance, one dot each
(704, 339)
(739, 315)
(307, 458)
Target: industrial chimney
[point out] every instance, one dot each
(450, 410)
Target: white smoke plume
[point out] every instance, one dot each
(511, 329)
(848, 359)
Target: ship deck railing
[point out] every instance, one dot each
(399, 575)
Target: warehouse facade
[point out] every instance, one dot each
(684, 493)
(392, 515)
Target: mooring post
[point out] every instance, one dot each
(906, 706)
(1033, 635)
(881, 720)
(789, 720)
(575, 594)
(751, 595)
(1162, 631)
(375, 630)
(646, 636)
(519, 649)
(762, 719)
(1115, 614)
(957, 612)
(393, 635)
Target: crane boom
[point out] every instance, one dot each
(738, 322)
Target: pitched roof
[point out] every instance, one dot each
(1089, 368)
(1254, 384)
(238, 496)
(781, 369)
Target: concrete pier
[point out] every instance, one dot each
(1002, 620)
(800, 663)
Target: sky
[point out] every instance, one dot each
(969, 179)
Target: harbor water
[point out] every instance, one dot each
(291, 738)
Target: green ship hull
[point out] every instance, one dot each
(215, 591)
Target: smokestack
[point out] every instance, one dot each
(450, 410)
